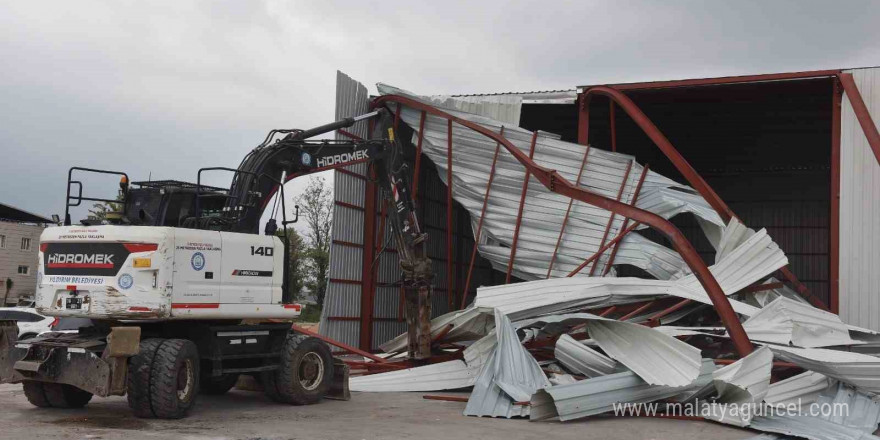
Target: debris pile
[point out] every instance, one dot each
(568, 343)
(530, 350)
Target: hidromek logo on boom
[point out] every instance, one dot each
(101, 260)
(341, 158)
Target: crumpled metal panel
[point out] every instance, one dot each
(516, 371)
(441, 376)
(605, 173)
(657, 358)
(809, 427)
(821, 421)
(801, 389)
(599, 394)
(581, 359)
(857, 369)
(744, 382)
(488, 399)
(789, 322)
(753, 259)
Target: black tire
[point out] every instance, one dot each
(27, 336)
(174, 378)
(304, 374)
(55, 395)
(139, 368)
(61, 395)
(217, 385)
(35, 394)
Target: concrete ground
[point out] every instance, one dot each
(249, 415)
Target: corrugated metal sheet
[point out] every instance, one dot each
(489, 400)
(858, 369)
(744, 382)
(343, 299)
(785, 321)
(581, 359)
(840, 412)
(860, 210)
(605, 173)
(801, 389)
(599, 394)
(441, 376)
(657, 358)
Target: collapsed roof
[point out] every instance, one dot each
(541, 348)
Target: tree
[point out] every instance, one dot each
(316, 207)
(297, 269)
(100, 210)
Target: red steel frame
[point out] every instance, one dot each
(680, 163)
(567, 212)
(467, 283)
(550, 179)
(555, 182)
(625, 221)
(842, 81)
(834, 226)
(611, 217)
(450, 257)
(522, 202)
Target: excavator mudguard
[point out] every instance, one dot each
(94, 363)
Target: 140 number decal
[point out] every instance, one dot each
(265, 251)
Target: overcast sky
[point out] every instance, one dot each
(162, 88)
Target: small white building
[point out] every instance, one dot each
(19, 249)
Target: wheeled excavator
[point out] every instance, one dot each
(174, 280)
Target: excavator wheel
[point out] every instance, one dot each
(55, 395)
(305, 373)
(163, 378)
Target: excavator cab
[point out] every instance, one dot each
(147, 203)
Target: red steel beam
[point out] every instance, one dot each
(862, 113)
(680, 163)
(583, 130)
(349, 135)
(611, 217)
(724, 80)
(555, 182)
(602, 249)
(522, 202)
(450, 282)
(654, 133)
(608, 311)
(626, 221)
(834, 226)
(366, 330)
(636, 312)
(446, 398)
(655, 318)
(467, 283)
(567, 212)
(336, 343)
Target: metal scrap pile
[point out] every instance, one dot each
(528, 350)
(572, 347)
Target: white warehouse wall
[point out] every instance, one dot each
(860, 210)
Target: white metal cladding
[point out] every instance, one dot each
(860, 210)
(346, 262)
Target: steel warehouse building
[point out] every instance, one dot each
(795, 153)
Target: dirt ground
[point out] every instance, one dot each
(249, 415)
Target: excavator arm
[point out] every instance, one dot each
(257, 179)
